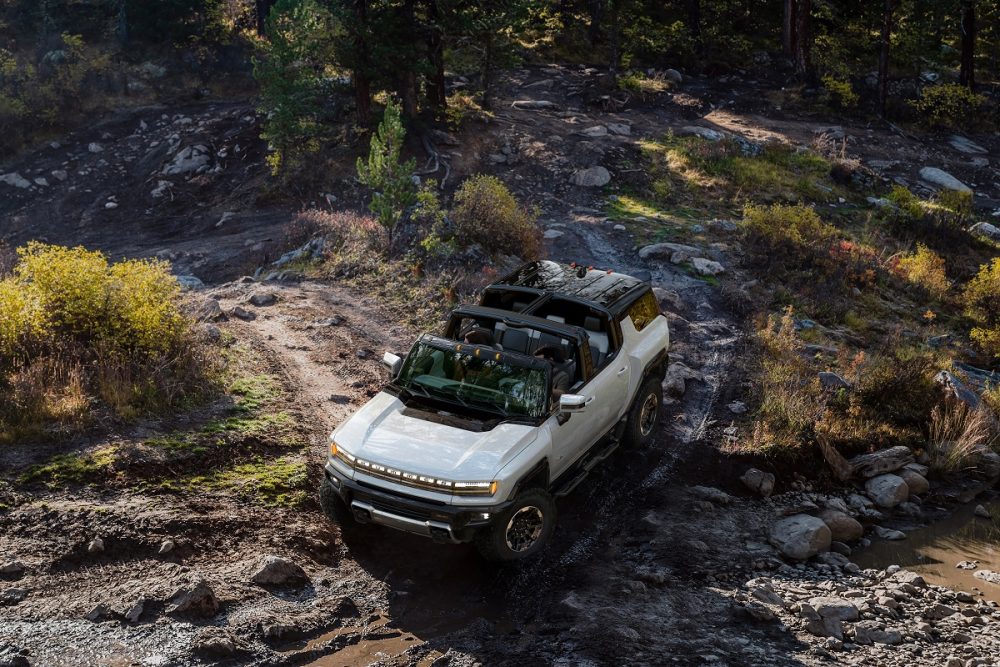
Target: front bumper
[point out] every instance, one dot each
(438, 521)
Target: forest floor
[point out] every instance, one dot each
(643, 569)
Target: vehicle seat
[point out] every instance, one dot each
(599, 343)
(515, 340)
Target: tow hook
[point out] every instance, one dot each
(440, 535)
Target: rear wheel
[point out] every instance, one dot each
(521, 531)
(644, 415)
(333, 505)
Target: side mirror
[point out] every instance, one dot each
(570, 403)
(393, 362)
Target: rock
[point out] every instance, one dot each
(535, 105)
(986, 230)
(988, 576)
(840, 548)
(41, 182)
(675, 252)
(12, 568)
(161, 189)
(882, 461)
(870, 632)
(918, 468)
(908, 577)
(187, 160)
(833, 607)
(675, 383)
(966, 145)
(313, 248)
(737, 407)
(711, 494)
(800, 536)
(915, 482)
(95, 147)
(15, 180)
(209, 310)
(889, 533)
(938, 611)
(552, 234)
(673, 76)
(12, 596)
(843, 528)
(620, 129)
(982, 512)
(758, 481)
(226, 217)
(275, 570)
(95, 546)
(262, 299)
(97, 613)
(242, 313)
(60, 174)
(832, 381)
(594, 131)
(957, 389)
(593, 177)
(166, 547)
(967, 565)
(943, 179)
(887, 490)
(707, 267)
(215, 643)
(989, 464)
(703, 132)
(151, 70)
(197, 599)
(856, 501)
(190, 282)
(135, 611)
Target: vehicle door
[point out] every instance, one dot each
(573, 435)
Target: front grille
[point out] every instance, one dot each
(401, 496)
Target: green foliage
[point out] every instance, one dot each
(949, 104)
(842, 95)
(486, 213)
(925, 269)
(390, 179)
(781, 230)
(290, 71)
(982, 304)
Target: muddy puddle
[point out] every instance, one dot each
(936, 550)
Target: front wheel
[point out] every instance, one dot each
(333, 505)
(644, 415)
(520, 531)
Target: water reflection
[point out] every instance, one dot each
(934, 551)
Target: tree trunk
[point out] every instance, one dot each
(488, 72)
(263, 10)
(788, 28)
(408, 77)
(883, 56)
(882, 461)
(362, 85)
(614, 39)
(596, 10)
(694, 21)
(803, 41)
(122, 28)
(435, 46)
(967, 73)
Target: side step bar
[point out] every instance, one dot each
(587, 466)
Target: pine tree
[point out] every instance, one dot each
(391, 180)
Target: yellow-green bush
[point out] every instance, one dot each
(792, 228)
(841, 93)
(982, 304)
(80, 335)
(948, 104)
(925, 269)
(486, 213)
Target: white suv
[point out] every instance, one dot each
(482, 427)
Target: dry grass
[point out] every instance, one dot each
(958, 436)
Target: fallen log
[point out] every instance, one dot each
(880, 462)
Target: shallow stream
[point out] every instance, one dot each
(935, 551)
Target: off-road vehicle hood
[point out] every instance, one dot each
(385, 432)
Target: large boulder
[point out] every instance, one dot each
(187, 160)
(986, 230)
(594, 177)
(196, 599)
(758, 481)
(943, 179)
(15, 179)
(801, 536)
(843, 527)
(966, 145)
(915, 482)
(704, 132)
(677, 253)
(887, 490)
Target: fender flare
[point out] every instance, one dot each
(538, 476)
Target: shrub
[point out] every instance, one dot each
(958, 436)
(948, 104)
(79, 335)
(982, 304)
(925, 269)
(841, 93)
(786, 237)
(486, 213)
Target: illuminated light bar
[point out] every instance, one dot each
(412, 479)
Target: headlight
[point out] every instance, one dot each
(412, 479)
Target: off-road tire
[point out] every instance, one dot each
(641, 426)
(333, 506)
(513, 528)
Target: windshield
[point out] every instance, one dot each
(477, 378)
